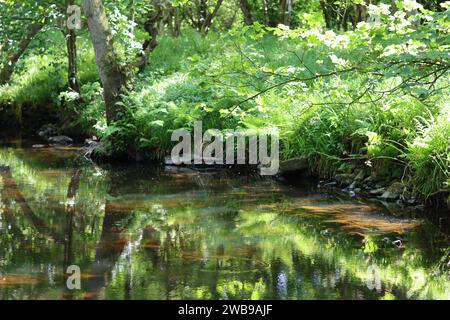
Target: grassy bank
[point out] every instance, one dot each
(339, 101)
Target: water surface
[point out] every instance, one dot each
(172, 233)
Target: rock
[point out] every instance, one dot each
(406, 195)
(380, 185)
(394, 191)
(396, 187)
(293, 165)
(90, 148)
(368, 182)
(91, 141)
(390, 196)
(38, 146)
(344, 178)
(377, 192)
(87, 142)
(352, 194)
(47, 131)
(360, 175)
(60, 140)
(409, 197)
(168, 161)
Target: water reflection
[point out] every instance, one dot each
(172, 233)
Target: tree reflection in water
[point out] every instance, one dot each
(155, 233)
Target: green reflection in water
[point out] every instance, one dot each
(153, 233)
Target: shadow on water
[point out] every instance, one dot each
(138, 232)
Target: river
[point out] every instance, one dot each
(141, 232)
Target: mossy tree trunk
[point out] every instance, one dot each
(112, 74)
(152, 26)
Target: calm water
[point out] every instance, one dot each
(168, 233)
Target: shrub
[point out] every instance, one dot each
(429, 154)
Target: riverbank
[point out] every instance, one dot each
(398, 140)
(350, 179)
(364, 182)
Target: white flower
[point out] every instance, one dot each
(446, 5)
(337, 60)
(381, 9)
(283, 27)
(411, 5)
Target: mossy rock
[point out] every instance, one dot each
(294, 165)
(397, 188)
(394, 191)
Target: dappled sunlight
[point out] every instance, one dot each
(20, 280)
(363, 222)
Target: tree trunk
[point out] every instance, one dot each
(176, 22)
(246, 11)
(266, 12)
(331, 13)
(112, 75)
(360, 13)
(14, 54)
(326, 15)
(343, 23)
(210, 17)
(202, 12)
(290, 9)
(74, 84)
(286, 8)
(151, 25)
(284, 14)
(71, 42)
